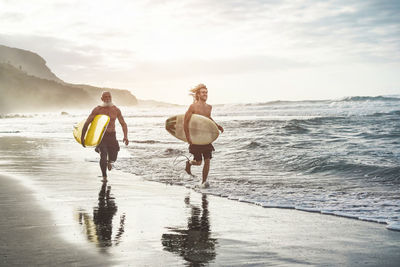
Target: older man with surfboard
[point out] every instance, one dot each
(199, 151)
(108, 147)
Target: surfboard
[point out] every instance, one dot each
(95, 131)
(202, 130)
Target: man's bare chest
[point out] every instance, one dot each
(205, 111)
(112, 113)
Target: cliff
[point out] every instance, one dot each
(27, 61)
(27, 84)
(23, 92)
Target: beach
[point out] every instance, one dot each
(231, 133)
(56, 211)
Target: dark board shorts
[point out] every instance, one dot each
(201, 151)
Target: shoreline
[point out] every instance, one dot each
(132, 221)
(234, 234)
(30, 237)
(391, 227)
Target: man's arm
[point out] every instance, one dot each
(86, 125)
(124, 127)
(218, 126)
(186, 120)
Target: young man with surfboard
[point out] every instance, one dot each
(200, 107)
(108, 147)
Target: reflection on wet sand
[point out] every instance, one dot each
(99, 227)
(194, 244)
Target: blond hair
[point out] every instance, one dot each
(194, 92)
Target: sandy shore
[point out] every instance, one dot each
(28, 236)
(57, 212)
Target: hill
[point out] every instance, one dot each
(23, 92)
(27, 61)
(27, 84)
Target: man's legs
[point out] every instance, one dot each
(108, 150)
(112, 156)
(206, 169)
(103, 160)
(108, 155)
(197, 157)
(189, 164)
(198, 160)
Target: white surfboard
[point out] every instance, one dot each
(95, 131)
(202, 130)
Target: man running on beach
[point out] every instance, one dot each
(200, 94)
(108, 147)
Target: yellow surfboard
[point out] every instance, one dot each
(202, 130)
(95, 131)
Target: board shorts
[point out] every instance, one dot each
(201, 151)
(109, 146)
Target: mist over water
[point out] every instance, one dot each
(336, 157)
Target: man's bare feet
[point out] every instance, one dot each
(205, 185)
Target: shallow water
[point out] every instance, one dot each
(336, 157)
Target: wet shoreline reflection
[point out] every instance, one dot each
(193, 244)
(99, 227)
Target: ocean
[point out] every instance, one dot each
(336, 157)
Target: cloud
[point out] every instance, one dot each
(155, 41)
(322, 31)
(51, 48)
(358, 30)
(215, 67)
(12, 16)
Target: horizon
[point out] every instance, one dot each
(343, 98)
(244, 52)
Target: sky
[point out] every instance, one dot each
(243, 51)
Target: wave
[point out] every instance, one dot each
(319, 120)
(15, 116)
(302, 126)
(390, 98)
(382, 114)
(288, 123)
(146, 142)
(285, 103)
(252, 124)
(392, 135)
(10, 132)
(276, 102)
(368, 98)
(253, 145)
(147, 116)
(295, 127)
(173, 152)
(329, 166)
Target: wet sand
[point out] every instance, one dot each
(28, 237)
(56, 211)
